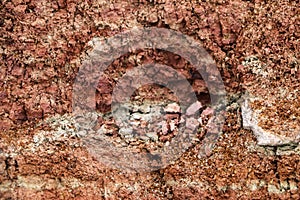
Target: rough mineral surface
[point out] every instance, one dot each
(252, 118)
(42, 45)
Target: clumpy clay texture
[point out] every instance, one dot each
(43, 44)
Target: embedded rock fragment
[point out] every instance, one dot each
(152, 135)
(193, 108)
(252, 120)
(172, 108)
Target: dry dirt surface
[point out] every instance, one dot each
(255, 45)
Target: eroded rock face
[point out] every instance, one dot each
(149, 124)
(40, 46)
(270, 107)
(251, 121)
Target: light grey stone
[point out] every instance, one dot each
(192, 123)
(293, 185)
(192, 109)
(125, 131)
(144, 108)
(136, 116)
(152, 135)
(144, 138)
(172, 108)
(264, 137)
(273, 189)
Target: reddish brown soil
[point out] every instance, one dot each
(42, 46)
